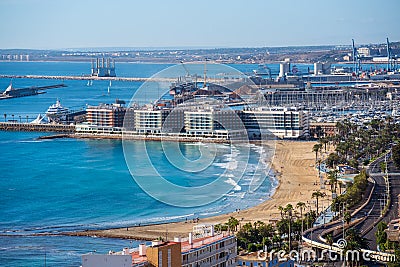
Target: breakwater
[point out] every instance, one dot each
(30, 127)
(95, 78)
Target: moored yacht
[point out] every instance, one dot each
(57, 112)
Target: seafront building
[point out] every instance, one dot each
(200, 120)
(283, 122)
(202, 247)
(106, 115)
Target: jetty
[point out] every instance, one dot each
(124, 79)
(87, 78)
(33, 127)
(11, 92)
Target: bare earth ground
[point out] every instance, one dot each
(294, 164)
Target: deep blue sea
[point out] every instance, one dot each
(57, 185)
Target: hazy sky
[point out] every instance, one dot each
(205, 23)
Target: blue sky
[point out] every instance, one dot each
(44, 24)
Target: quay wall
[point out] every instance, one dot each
(126, 79)
(30, 127)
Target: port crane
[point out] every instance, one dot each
(392, 59)
(356, 59)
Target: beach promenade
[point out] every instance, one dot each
(294, 164)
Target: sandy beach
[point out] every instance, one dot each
(294, 164)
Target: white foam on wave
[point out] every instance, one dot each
(230, 165)
(236, 187)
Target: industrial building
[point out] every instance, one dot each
(103, 67)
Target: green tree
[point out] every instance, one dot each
(347, 217)
(333, 180)
(281, 210)
(317, 195)
(381, 236)
(316, 149)
(233, 223)
(329, 240)
(301, 206)
(288, 210)
(396, 155)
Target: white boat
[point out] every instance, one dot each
(57, 112)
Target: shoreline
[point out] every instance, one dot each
(293, 166)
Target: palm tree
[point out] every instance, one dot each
(324, 141)
(355, 241)
(340, 183)
(332, 176)
(329, 240)
(318, 194)
(281, 210)
(233, 223)
(301, 205)
(316, 148)
(288, 210)
(347, 217)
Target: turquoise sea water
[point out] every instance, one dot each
(52, 186)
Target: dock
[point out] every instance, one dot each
(11, 92)
(124, 79)
(30, 127)
(85, 78)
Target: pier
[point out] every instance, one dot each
(124, 79)
(30, 127)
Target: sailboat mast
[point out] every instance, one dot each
(205, 74)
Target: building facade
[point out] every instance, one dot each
(149, 120)
(281, 122)
(204, 248)
(206, 121)
(106, 115)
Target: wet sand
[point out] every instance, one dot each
(294, 164)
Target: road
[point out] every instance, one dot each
(394, 182)
(371, 212)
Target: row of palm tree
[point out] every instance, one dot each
(283, 235)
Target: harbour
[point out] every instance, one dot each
(98, 153)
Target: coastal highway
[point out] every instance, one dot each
(366, 218)
(394, 182)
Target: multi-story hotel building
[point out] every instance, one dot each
(108, 115)
(149, 120)
(280, 121)
(213, 122)
(210, 121)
